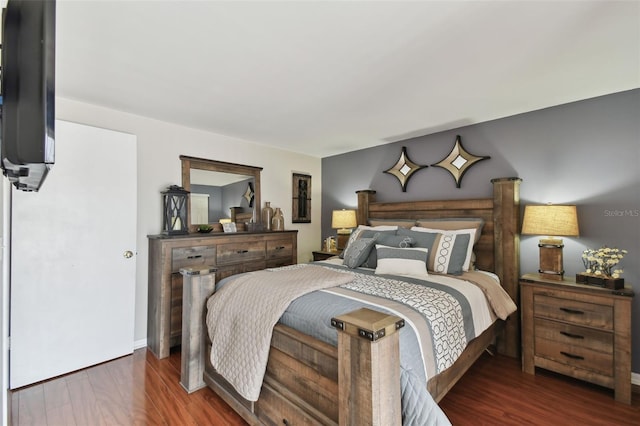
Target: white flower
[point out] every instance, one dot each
(601, 262)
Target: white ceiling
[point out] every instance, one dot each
(327, 77)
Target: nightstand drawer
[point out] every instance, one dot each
(574, 356)
(567, 334)
(581, 313)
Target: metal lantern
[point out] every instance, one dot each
(174, 213)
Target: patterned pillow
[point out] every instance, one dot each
(410, 262)
(357, 252)
(386, 239)
(451, 251)
(358, 231)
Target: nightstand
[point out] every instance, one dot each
(578, 330)
(324, 255)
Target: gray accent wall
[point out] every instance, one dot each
(585, 153)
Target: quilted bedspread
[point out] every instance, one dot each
(442, 314)
(240, 342)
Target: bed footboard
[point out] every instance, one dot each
(305, 384)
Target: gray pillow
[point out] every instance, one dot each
(358, 251)
(363, 232)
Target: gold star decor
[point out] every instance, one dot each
(458, 161)
(249, 194)
(404, 169)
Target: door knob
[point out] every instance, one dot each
(128, 254)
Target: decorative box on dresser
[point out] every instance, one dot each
(578, 330)
(230, 253)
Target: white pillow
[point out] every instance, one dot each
(408, 262)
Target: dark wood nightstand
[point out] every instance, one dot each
(578, 330)
(324, 255)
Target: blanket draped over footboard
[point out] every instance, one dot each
(240, 342)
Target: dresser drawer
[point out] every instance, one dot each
(581, 313)
(240, 252)
(277, 263)
(568, 334)
(192, 256)
(279, 248)
(227, 271)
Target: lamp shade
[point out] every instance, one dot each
(342, 219)
(550, 220)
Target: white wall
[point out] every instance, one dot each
(4, 301)
(159, 146)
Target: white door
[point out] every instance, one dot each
(72, 287)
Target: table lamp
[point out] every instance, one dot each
(552, 221)
(344, 221)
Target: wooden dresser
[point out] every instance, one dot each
(230, 253)
(577, 330)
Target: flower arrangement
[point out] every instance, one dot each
(601, 262)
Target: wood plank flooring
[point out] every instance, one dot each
(141, 390)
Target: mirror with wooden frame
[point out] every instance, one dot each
(220, 192)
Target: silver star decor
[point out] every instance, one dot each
(404, 169)
(458, 161)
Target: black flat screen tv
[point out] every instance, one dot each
(27, 117)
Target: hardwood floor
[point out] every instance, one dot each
(496, 392)
(132, 390)
(141, 390)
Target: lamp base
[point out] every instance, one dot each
(343, 238)
(551, 267)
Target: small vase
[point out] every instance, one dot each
(267, 215)
(277, 223)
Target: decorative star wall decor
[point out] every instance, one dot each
(404, 169)
(249, 194)
(458, 161)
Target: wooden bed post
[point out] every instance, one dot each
(368, 368)
(506, 222)
(365, 197)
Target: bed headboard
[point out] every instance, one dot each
(498, 249)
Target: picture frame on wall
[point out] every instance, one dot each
(301, 203)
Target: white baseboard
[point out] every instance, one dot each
(635, 379)
(139, 344)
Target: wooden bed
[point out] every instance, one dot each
(310, 382)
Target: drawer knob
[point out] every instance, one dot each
(571, 335)
(572, 356)
(195, 256)
(280, 248)
(242, 251)
(572, 311)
